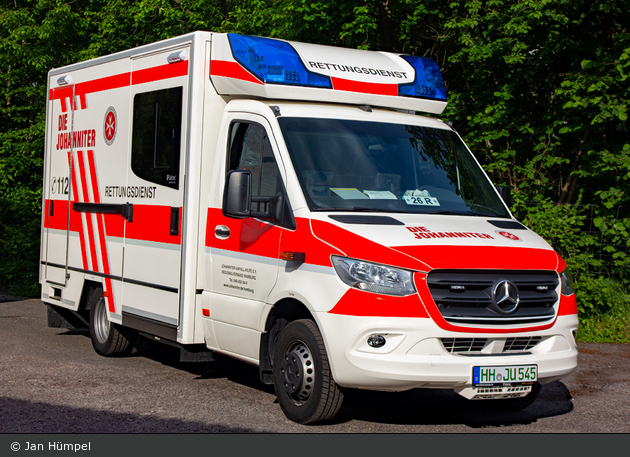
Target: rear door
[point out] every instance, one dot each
(155, 187)
(58, 183)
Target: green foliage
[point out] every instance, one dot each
(20, 215)
(605, 317)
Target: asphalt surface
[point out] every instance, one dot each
(52, 381)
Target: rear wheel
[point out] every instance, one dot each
(107, 338)
(305, 388)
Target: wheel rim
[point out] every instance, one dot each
(298, 372)
(101, 323)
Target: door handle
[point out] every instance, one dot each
(174, 221)
(125, 210)
(222, 232)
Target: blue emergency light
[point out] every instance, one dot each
(277, 62)
(274, 61)
(428, 83)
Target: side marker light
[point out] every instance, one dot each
(299, 257)
(64, 80)
(178, 56)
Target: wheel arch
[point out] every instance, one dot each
(88, 286)
(284, 312)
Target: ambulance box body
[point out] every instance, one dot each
(292, 206)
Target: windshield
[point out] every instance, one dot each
(345, 165)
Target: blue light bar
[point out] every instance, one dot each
(274, 61)
(428, 83)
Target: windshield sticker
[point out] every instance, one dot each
(380, 194)
(423, 232)
(420, 197)
(349, 193)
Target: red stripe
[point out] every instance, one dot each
(88, 216)
(152, 223)
(364, 87)
(62, 94)
(303, 239)
(359, 303)
(59, 219)
(170, 70)
(101, 84)
(78, 225)
(483, 257)
(251, 236)
(233, 70)
(362, 248)
(568, 305)
(101, 232)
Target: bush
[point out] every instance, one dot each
(604, 310)
(19, 242)
(594, 243)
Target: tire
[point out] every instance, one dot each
(108, 339)
(305, 388)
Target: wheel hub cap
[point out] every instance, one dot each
(298, 370)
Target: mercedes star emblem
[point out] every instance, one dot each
(505, 296)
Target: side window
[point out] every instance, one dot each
(250, 149)
(156, 138)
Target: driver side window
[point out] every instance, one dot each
(250, 150)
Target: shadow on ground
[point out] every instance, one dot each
(415, 407)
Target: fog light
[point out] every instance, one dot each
(376, 341)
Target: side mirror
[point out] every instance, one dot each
(237, 194)
(506, 194)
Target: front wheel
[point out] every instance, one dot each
(305, 388)
(107, 338)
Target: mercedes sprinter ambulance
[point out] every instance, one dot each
(292, 206)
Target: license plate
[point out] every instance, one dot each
(502, 375)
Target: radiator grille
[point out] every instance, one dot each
(466, 296)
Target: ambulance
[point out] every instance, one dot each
(300, 208)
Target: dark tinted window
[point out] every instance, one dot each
(250, 149)
(156, 139)
(369, 166)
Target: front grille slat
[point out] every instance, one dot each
(460, 345)
(475, 346)
(521, 344)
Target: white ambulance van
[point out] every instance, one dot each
(287, 204)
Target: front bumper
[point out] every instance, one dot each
(414, 355)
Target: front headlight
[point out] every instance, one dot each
(373, 277)
(567, 284)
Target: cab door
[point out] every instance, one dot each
(245, 252)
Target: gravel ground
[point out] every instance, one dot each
(52, 381)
